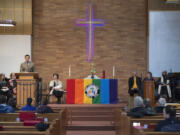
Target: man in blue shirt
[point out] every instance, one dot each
(4, 108)
(28, 107)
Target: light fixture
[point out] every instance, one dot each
(7, 23)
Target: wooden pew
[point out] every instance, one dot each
(9, 123)
(57, 125)
(19, 128)
(146, 132)
(23, 133)
(124, 123)
(12, 116)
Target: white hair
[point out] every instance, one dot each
(138, 101)
(162, 101)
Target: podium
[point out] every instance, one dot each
(149, 91)
(26, 87)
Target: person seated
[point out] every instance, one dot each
(148, 108)
(28, 107)
(42, 126)
(4, 108)
(55, 87)
(164, 85)
(139, 109)
(44, 108)
(147, 103)
(12, 103)
(160, 105)
(169, 114)
(13, 84)
(4, 87)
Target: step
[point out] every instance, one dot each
(107, 107)
(91, 126)
(92, 118)
(90, 133)
(91, 113)
(87, 109)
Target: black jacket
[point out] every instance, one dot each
(159, 109)
(138, 81)
(166, 122)
(137, 112)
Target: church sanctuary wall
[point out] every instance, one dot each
(164, 41)
(59, 43)
(12, 51)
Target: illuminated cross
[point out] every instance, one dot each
(90, 23)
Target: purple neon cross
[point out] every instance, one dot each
(90, 23)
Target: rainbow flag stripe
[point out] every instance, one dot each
(92, 91)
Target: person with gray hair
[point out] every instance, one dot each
(162, 101)
(138, 110)
(160, 105)
(138, 102)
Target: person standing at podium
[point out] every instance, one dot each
(148, 89)
(148, 77)
(134, 88)
(27, 66)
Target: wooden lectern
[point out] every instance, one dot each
(149, 91)
(26, 87)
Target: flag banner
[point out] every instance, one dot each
(71, 91)
(105, 91)
(92, 91)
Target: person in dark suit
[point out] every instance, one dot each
(27, 66)
(169, 114)
(134, 88)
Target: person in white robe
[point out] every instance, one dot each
(164, 85)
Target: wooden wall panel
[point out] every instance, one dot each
(162, 5)
(19, 11)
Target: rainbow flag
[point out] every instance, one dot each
(92, 91)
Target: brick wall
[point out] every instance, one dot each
(58, 42)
